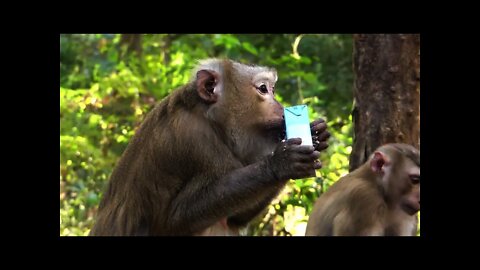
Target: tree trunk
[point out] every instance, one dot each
(167, 43)
(386, 93)
(133, 43)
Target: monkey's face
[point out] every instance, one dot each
(241, 100)
(268, 114)
(399, 176)
(255, 121)
(251, 98)
(407, 185)
(411, 202)
(411, 196)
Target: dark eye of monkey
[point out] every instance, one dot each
(263, 89)
(415, 179)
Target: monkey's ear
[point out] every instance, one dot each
(379, 161)
(207, 81)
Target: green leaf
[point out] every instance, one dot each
(248, 47)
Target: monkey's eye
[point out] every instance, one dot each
(415, 179)
(263, 89)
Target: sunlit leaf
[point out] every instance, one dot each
(247, 46)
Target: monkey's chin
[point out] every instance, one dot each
(411, 209)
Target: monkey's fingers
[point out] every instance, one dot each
(317, 129)
(309, 169)
(319, 146)
(323, 136)
(306, 158)
(302, 149)
(303, 170)
(316, 122)
(294, 141)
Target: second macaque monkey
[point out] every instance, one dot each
(380, 198)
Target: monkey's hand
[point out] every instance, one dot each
(320, 134)
(290, 160)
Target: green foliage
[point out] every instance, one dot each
(107, 88)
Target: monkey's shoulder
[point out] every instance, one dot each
(353, 193)
(353, 185)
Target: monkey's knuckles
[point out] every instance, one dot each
(318, 128)
(321, 146)
(316, 122)
(324, 135)
(315, 155)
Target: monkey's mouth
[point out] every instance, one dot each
(276, 130)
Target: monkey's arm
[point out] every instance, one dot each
(196, 207)
(207, 198)
(244, 217)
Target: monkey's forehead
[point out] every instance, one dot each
(253, 71)
(405, 149)
(257, 72)
(265, 76)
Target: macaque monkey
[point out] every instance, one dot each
(208, 158)
(380, 198)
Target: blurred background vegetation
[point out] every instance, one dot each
(109, 82)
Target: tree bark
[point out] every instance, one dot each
(386, 92)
